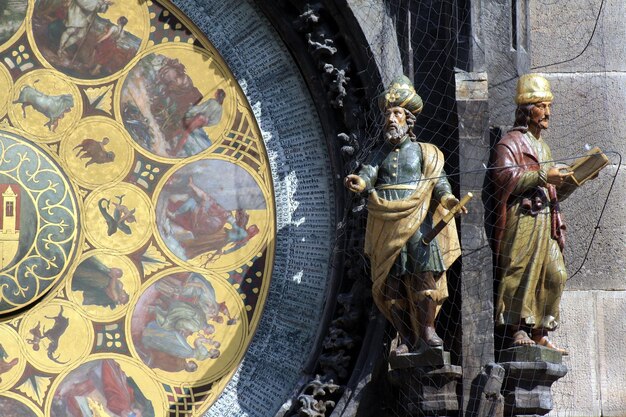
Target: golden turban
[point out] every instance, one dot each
(401, 93)
(532, 88)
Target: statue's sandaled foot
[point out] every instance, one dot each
(521, 338)
(544, 341)
(431, 338)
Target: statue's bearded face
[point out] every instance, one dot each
(540, 114)
(395, 125)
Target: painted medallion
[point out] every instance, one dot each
(137, 222)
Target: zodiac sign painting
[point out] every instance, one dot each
(56, 336)
(53, 334)
(89, 39)
(12, 363)
(6, 363)
(52, 107)
(45, 104)
(103, 283)
(183, 323)
(204, 215)
(168, 106)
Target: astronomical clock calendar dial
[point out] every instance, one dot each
(137, 217)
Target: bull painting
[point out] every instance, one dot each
(53, 107)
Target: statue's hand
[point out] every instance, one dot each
(449, 201)
(557, 175)
(354, 183)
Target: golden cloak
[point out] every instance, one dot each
(390, 224)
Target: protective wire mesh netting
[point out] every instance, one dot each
(532, 186)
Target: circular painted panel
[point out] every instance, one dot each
(137, 220)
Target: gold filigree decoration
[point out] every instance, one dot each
(35, 388)
(101, 98)
(153, 260)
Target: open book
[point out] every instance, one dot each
(587, 166)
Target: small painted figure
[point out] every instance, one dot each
(121, 215)
(100, 285)
(164, 111)
(53, 334)
(170, 351)
(80, 17)
(12, 14)
(14, 408)
(523, 220)
(5, 364)
(77, 38)
(94, 150)
(106, 54)
(205, 114)
(407, 185)
(53, 107)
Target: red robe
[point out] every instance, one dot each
(120, 397)
(510, 158)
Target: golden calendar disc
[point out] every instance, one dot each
(137, 224)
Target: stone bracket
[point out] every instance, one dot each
(427, 391)
(527, 387)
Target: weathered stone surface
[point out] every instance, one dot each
(587, 108)
(380, 33)
(530, 354)
(578, 334)
(503, 63)
(575, 24)
(611, 328)
(476, 279)
(473, 118)
(425, 391)
(486, 399)
(471, 86)
(527, 387)
(429, 357)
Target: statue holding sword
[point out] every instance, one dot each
(408, 194)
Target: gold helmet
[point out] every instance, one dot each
(401, 93)
(532, 88)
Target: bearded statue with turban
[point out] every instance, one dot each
(408, 192)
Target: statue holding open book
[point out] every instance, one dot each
(524, 223)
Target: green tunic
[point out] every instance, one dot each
(401, 166)
(532, 272)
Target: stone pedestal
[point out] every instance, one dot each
(426, 384)
(530, 372)
(491, 402)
